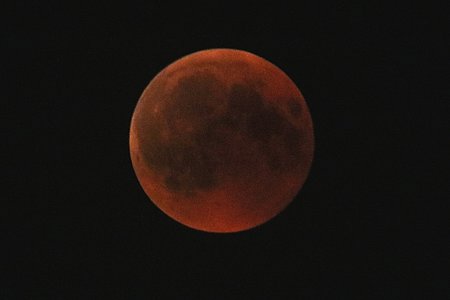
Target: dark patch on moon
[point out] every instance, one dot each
(194, 98)
(187, 158)
(294, 107)
(185, 163)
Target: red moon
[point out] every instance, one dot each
(221, 140)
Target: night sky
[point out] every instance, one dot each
(370, 220)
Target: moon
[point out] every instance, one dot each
(221, 140)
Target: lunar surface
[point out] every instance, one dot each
(221, 140)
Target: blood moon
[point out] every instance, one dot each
(221, 140)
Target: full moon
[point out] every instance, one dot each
(221, 140)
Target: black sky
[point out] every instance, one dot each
(369, 222)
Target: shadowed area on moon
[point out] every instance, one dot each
(202, 131)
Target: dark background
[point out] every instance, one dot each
(370, 220)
